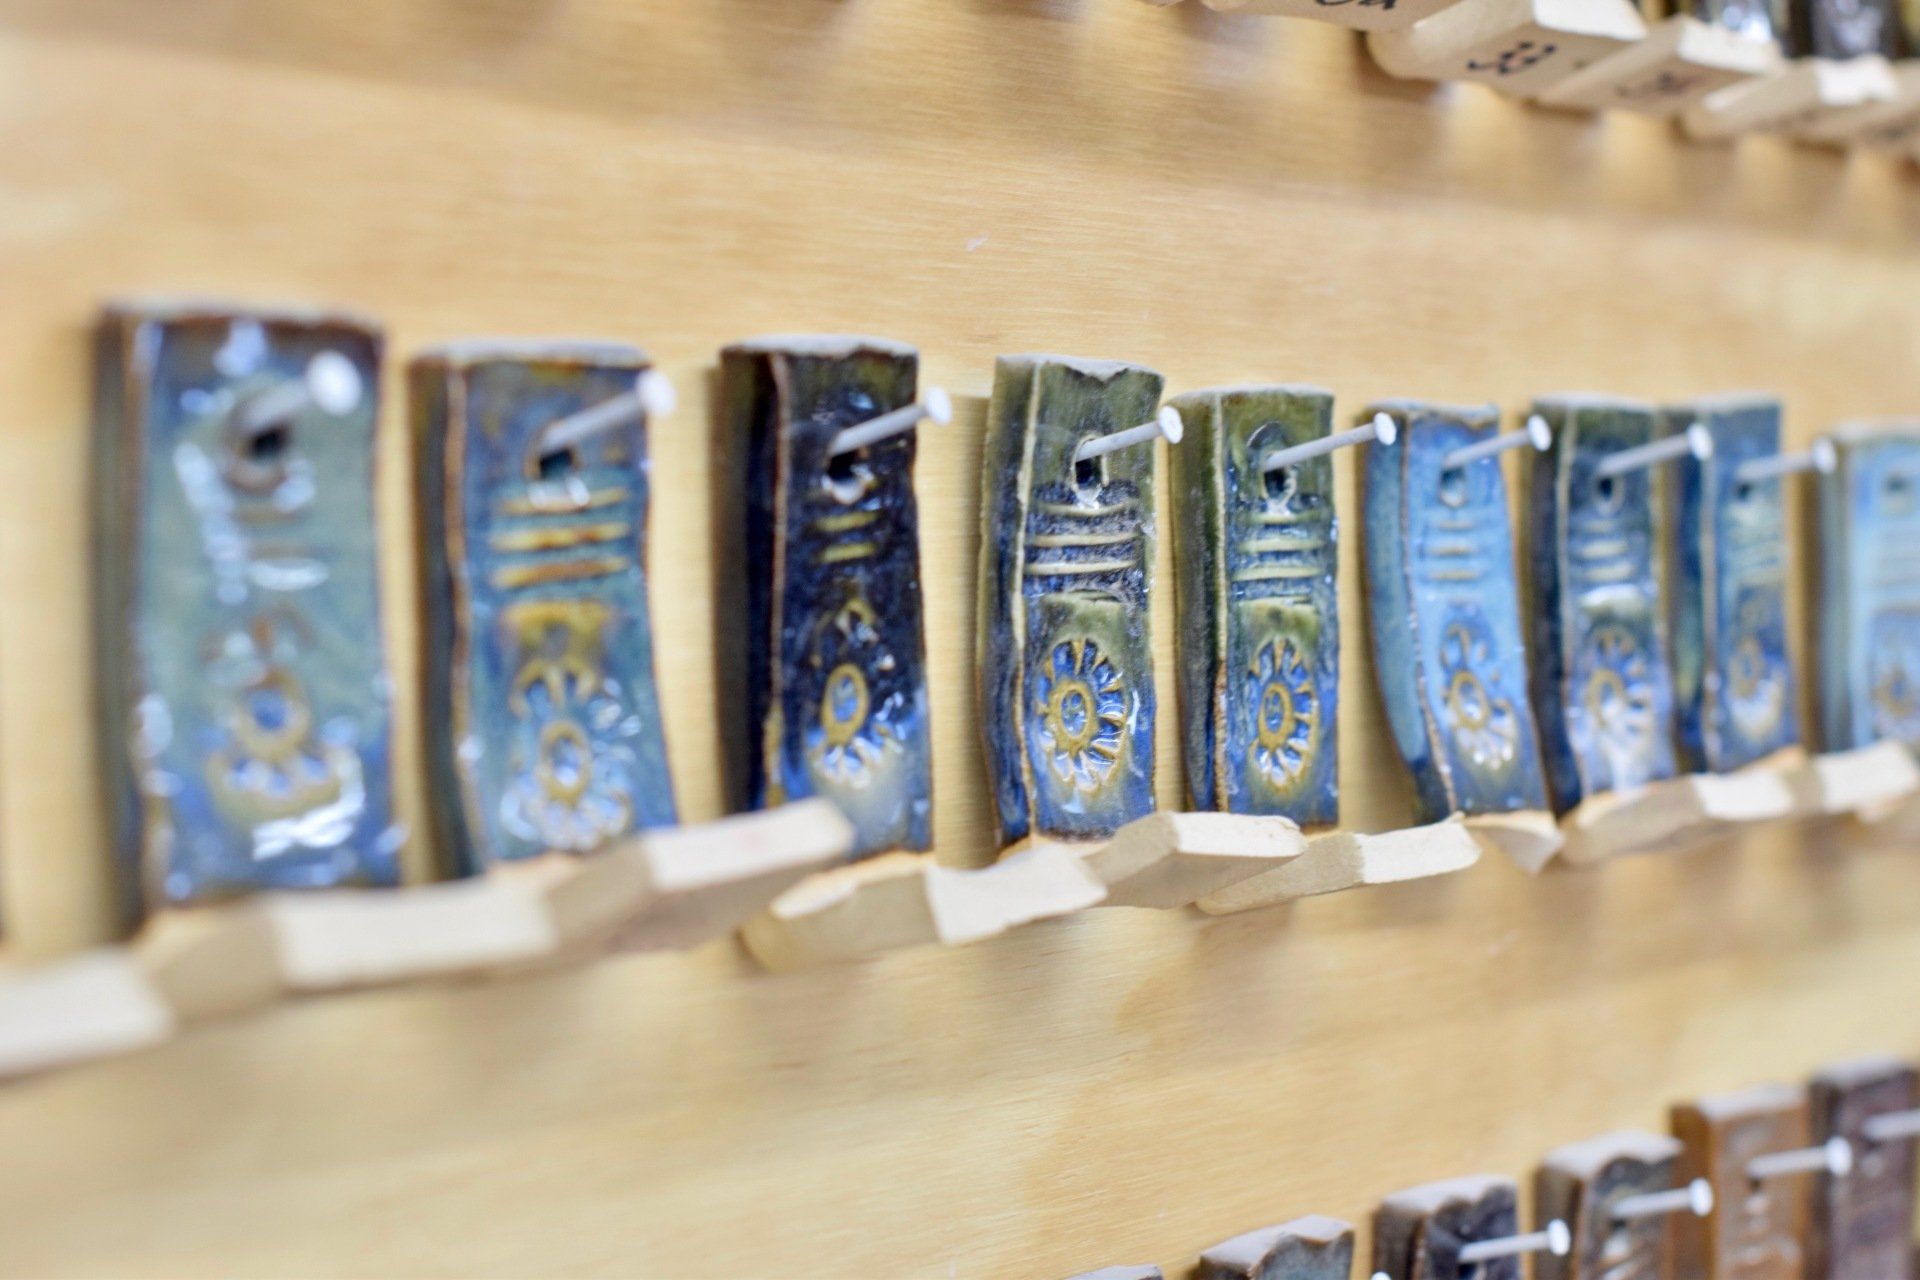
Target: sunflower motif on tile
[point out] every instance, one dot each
(566, 790)
(1483, 725)
(1080, 705)
(1617, 703)
(851, 731)
(1286, 712)
(1893, 673)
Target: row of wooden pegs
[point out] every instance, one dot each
(1774, 1183)
(1718, 68)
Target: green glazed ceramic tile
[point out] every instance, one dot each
(543, 728)
(1065, 656)
(1258, 607)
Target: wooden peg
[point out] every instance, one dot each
(544, 732)
(1796, 95)
(1342, 860)
(1360, 15)
(232, 474)
(1520, 47)
(1419, 1234)
(1869, 783)
(1583, 1184)
(834, 661)
(1883, 126)
(1311, 1248)
(212, 961)
(904, 900)
(1757, 1230)
(94, 1005)
(1681, 62)
(1168, 860)
(1676, 813)
(1066, 670)
(1862, 1223)
(1444, 615)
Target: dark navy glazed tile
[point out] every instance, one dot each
(835, 651)
(543, 727)
(1259, 623)
(1602, 688)
(1867, 593)
(1065, 655)
(243, 689)
(1733, 682)
(1444, 613)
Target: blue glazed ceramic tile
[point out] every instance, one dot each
(836, 653)
(1066, 557)
(1259, 610)
(1733, 682)
(1602, 689)
(1868, 589)
(1444, 611)
(244, 699)
(543, 725)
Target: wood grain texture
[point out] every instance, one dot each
(1220, 198)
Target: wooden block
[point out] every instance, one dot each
(213, 961)
(1311, 1248)
(835, 651)
(1867, 590)
(706, 880)
(542, 721)
(1418, 1234)
(1352, 860)
(243, 691)
(1066, 558)
(1259, 625)
(1520, 47)
(1675, 814)
(1602, 686)
(1885, 126)
(905, 900)
(339, 940)
(1360, 15)
(1443, 607)
(1527, 839)
(1871, 782)
(1792, 97)
(1757, 1231)
(1863, 1223)
(1579, 1184)
(93, 1005)
(1167, 860)
(1734, 698)
(1681, 61)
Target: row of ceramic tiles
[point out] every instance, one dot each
(1715, 65)
(245, 704)
(1780, 1182)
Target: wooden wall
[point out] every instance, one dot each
(1220, 198)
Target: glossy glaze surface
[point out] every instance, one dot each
(244, 699)
(545, 732)
(1066, 555)
(835, 649)
(1259, 621)
(1443, 610)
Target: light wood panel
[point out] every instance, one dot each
(1220, 197)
